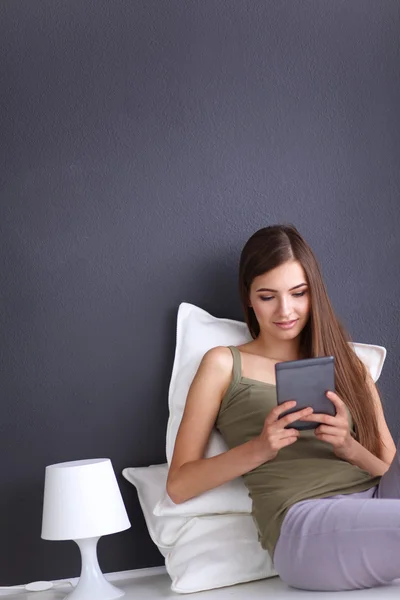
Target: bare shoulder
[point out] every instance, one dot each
(219, 358)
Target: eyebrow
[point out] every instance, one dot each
(276, 291)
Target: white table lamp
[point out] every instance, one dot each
(82, 502)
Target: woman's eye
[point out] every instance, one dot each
(297, 295)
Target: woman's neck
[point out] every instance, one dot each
(281, 351)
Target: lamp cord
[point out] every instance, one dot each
(35, 586)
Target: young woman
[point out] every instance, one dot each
(326, 501)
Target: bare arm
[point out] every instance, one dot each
(335, 430)
(364, 459)
(190, 474)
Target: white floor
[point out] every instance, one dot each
(154, 584)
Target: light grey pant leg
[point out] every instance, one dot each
(341, 543)
(344, 542)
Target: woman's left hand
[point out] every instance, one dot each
(334, 430)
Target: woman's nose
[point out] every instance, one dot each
(285, 308)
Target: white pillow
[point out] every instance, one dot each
(204, 552)
(372, 356)
(218, 551)
(197, 332)
(150, 484)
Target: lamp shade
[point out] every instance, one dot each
(82, 500)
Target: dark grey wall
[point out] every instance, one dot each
(142, 142)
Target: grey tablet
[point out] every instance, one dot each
(306, 381)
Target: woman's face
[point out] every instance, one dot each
(281, 296)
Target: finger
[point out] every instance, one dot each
(288, 433)
(279, 409)
(324, 437)
(285, 406)
(321, 418)
(288, 441)
(296, 416)
(335, 431)
(337, 401)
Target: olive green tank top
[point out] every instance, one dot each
(304, 470)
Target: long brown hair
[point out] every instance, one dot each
(324, 334)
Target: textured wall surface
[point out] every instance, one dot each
(142, 142)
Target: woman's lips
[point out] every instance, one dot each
(287, 325)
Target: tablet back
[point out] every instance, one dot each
(306, 381)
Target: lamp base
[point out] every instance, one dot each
(92, 584)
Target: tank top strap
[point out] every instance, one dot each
(237, 365)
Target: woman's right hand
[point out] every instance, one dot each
(274, 436)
